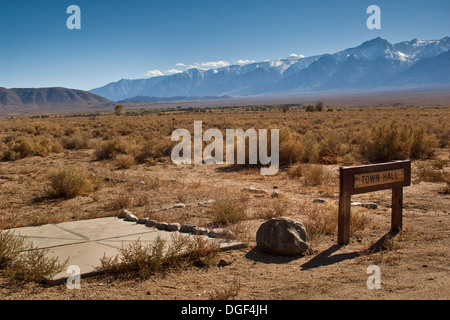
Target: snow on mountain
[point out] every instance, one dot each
(374, 63)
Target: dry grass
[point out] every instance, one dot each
(310, 174)
(146, 260)
(322, 220)
(119, 203)
(395, 141)
(273, 208)
(429, 173)
(124, 161)
(10, 247)
(21, 261)
(316, 175)
(71, 182)
(347, 136)
(227, 210)
(311, 145)
(227, 293)
(33, 265)
(23, 147)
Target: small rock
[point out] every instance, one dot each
(151, 223)
(141, 182)
(200, 231)
(204, 203)
(276, 194)
(224, 263)
(179, 205)
(143, 221)
(221, 233)
(187, 228)
(162, 226)
(319, 200)
(131, 217)
(255, 190)
(261, 195)
(369, 205)
(173, 227)
(123, 214)
(122, 180)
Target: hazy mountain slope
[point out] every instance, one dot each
(433, 71)
(49, 99)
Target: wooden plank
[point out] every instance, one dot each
(397, 209)
(344, 220)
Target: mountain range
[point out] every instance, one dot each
(49, 99)
(375, 64)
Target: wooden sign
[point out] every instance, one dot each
(363, 179)
(379, 178)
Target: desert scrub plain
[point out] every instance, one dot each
(63, 168)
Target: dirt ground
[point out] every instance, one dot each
(415, 266)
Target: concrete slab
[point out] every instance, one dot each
(84, 243)
(48, 236)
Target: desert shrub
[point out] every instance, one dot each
(21, 261)
(397, 142)
(333, 148)
(274, 209)
(359, 221)
(316, 174)
(291, 148)
(76, 142)
(23, 147)
(10, 247)
(227, 293)
(310, 148)
(124, 161)
(296, 171)
(429, 174)
(310, 108)
(144, 261)
(227, 210)
(71, 182)
(110, 148)
(422, 145)
(391, 244)
(151, 150)
(119, 203)
(33, 265)
(320, 221)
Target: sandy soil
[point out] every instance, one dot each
(417, 266)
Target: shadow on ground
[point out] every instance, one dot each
(325, 258)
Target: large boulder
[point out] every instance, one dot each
(282, 236)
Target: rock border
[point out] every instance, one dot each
(216, 233)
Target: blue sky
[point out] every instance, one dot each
(137, 39)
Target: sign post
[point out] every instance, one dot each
(363, 179)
